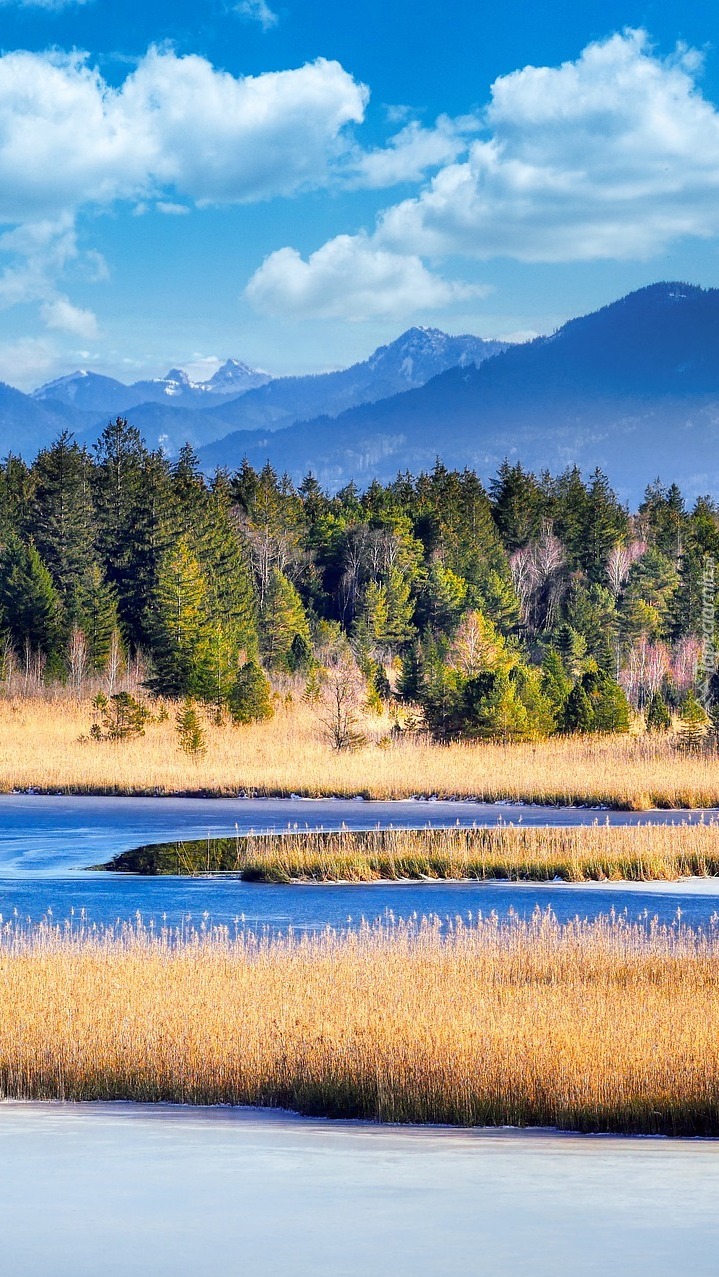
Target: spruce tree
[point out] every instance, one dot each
(97, 615)
(693, 722)
(178, 624)
(283, 618)
(29, 603)
(190, 731)
(250, 700)
(63, 520)
(577, 715)
(658, 717)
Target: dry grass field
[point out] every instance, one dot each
(585, 853)
(591, 1027)
(40, 748)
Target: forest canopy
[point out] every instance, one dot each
(537, 604)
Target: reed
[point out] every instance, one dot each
(595, 852)
(40, 749)
(592, 1027)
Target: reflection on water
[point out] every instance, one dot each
(114, 1190)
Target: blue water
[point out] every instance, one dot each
(46, 843)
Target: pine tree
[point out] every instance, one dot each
(178, 625)
(578, 715)
(122, 717)
(190, 731)
(29, 604)
(658, 717)
(63, 520)
(251, 698)
(97, 615)
(283, 617)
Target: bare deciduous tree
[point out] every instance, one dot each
(341, 697)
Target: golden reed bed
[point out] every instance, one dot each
(590, 1027)
(40, 748)
(595, 852)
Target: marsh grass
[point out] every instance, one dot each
(601, 1026)
(40, 748)
(575, 854)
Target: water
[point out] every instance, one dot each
(114, 1189)
(46, 843)
(172, 1192)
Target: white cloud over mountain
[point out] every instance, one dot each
(614, 155)
(175, 129)
(349, 278)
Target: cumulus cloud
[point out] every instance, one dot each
(257, 11)
(614, 155)
(60, 314)
(175, 132)
(176, 124)
(349, 278)
(411, 153)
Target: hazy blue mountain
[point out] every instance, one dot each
(633, 388)
(410, 361)
(105, 397)
(26, 425)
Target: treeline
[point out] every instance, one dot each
(537, 604)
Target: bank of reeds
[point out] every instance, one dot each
(590, 1027)
(40, 748)
(581, 853)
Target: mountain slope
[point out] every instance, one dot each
(633, 388)
(26, 425)
(410, 361)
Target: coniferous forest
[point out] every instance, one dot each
(536, 604)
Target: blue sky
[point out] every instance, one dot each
(294, 183)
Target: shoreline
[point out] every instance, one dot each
(168, 1110)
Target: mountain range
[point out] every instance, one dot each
(632, 388)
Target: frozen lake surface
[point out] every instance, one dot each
(46, 843)
(116, 1189)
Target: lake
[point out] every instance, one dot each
(116, 1189)
(173, 1192)
(46, 842)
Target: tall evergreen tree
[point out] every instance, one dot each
(29, 603)
(178, 626)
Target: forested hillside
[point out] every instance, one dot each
(539, 604)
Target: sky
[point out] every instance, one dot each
(294, 182)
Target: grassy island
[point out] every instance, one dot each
(585, 853)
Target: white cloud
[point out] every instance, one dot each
(176, 124)
(257, 11)
(349, 278)
(59, 313)
(175, 132)
(27, 362)
(615, 155)
(411, 152)
(52, 6)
